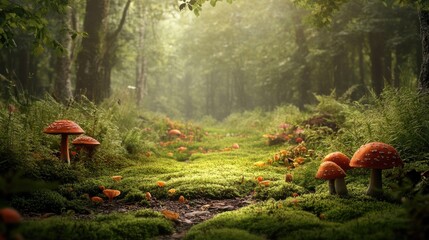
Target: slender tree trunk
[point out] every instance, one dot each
(387, 70)
(141, 62)
(376, 44)
(424, 33)
(300, 57)
(108, 60)
(62, 83)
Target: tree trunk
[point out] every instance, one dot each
(109, 60)
(303, 74)
(376, 45)
(424, 33)
(62, 83)
(89, 60)
(141, 61)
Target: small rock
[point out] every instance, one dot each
(196, 213)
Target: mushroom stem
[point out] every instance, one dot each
(340, 186)
(375, 183)
(331, 184)
(65, 148)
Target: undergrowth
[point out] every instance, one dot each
(217, 160)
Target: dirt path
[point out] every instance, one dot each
(190, 213)
(197, 211)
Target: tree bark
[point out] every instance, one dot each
(89, 60)
(424, 33)
(108, 56)
(376, 44)
(62, 83)
(141, 61)
(303, 74)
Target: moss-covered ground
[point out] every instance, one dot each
(250, 177)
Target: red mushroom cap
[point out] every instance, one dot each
(85, 140)
(63, 127)
(330, 170)
(339, 158)
(10, 216)
(376, 155)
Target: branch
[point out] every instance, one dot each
(115, 34)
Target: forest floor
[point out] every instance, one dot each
(241, 191)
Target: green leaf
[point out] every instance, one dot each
(213, 3)
(182, 6)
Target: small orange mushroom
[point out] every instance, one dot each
(265, 183)
(171, 192)
(111, 193)
(235, 146)
(259, 164)
(117, 178)
(288, 177)
(97, 200)
(148, 196)
(174, 132)
(182, 199)
(160, 183)
(170, 214)
(181, 149)
(260, 178)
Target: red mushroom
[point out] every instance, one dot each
(85, 142)
(10, 216)
(376, 156)
(341, 160)
(10, 219)
(330, 170)
(65, 128)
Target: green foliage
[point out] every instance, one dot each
(29, 17)
(390, 122)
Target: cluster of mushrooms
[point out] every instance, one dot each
(375, 156)
(65, 128)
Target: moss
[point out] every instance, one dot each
(278, 190)
(113, 226)
(223, 234)
(40, 201)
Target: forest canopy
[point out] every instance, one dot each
(236, 56)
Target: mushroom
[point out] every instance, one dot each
(111, 193)
(10, 219)
(330, 170)
(148, 196)
(65, 128)
(376, 156)
(96, 200)
(160, 183)
(182, 199)
(341, 160)
(117, 178)
(86, 142)
(174, 132)
(10, 216)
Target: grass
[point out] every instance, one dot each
(136, 146)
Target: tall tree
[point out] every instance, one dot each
(62, 83)
(89, 76)
(96, 59)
